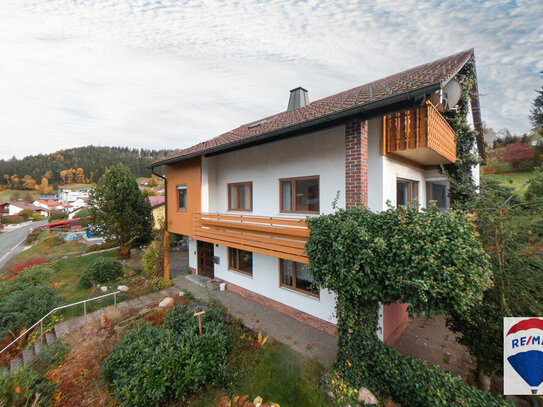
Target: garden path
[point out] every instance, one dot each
(304, 339)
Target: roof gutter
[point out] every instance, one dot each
(355, 110)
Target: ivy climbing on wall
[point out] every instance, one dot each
(430, 260)
(462, 186)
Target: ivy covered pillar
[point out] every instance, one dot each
(356, 162)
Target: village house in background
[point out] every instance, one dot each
(14, 208)
(66, 195)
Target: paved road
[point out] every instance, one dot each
(12, 242)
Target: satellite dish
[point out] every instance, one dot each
(451, 93)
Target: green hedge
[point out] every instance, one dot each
(410, 382)
(57, 217)
(101, 271)
(26, 298)
(153, 364)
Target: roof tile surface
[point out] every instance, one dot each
(440, 70)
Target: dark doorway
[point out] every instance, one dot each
(205, 259)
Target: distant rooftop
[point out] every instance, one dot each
(156, 201)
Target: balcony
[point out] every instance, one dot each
(420, 135)
(273, 236)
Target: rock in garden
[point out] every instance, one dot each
(106, 323)
(103, 289)
(484, 383)
(367, 397)
(166, 302)
(122, 288)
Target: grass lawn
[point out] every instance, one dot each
(516, 180)
(67, 271)
(274, 372)
(51, 246)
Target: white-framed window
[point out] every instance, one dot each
(181, 197)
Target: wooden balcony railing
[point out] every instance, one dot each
(421, 135)
(273, 236)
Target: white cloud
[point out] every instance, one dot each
(167, 74)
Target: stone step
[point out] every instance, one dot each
(197, 279)
(38, 347)
(15, 363)
(50, 338)
(28, 355)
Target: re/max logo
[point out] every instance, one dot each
(522, 341)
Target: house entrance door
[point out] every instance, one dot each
(205, 259)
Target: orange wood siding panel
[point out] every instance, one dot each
(189, 174)
(273, 236)
(422, 135)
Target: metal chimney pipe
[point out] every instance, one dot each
(299, 97)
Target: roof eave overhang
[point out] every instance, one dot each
(365, 109)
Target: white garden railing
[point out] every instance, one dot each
(40, 322)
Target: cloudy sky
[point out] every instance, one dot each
(168, 74)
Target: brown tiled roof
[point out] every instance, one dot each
(422, 76)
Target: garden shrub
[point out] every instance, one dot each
(25, 306)
(108, 244)
(101, 271)
(535, 188)
(29, 277)
(406, 380)
(18, 388)
(12, 219)
(83, 213)
(152, 263)
(26, 213)
(33, 261)
(160, 283)
(33, 236)
(153, 364)
(36, 217)
(57, 217)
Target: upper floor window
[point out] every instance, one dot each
(240, 196)
(240, 260)
(296, 276)
(407, 192)
(437, 193)
(181, 197)
(299, 194)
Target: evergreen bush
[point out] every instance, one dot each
(19, 388)
(101, 271)
(153, 364)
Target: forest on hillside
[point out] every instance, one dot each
(80, 165)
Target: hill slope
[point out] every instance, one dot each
(92, 160)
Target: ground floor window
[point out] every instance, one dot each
(240, 260)
(437, 193)
(296, 276)
(407, 192)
